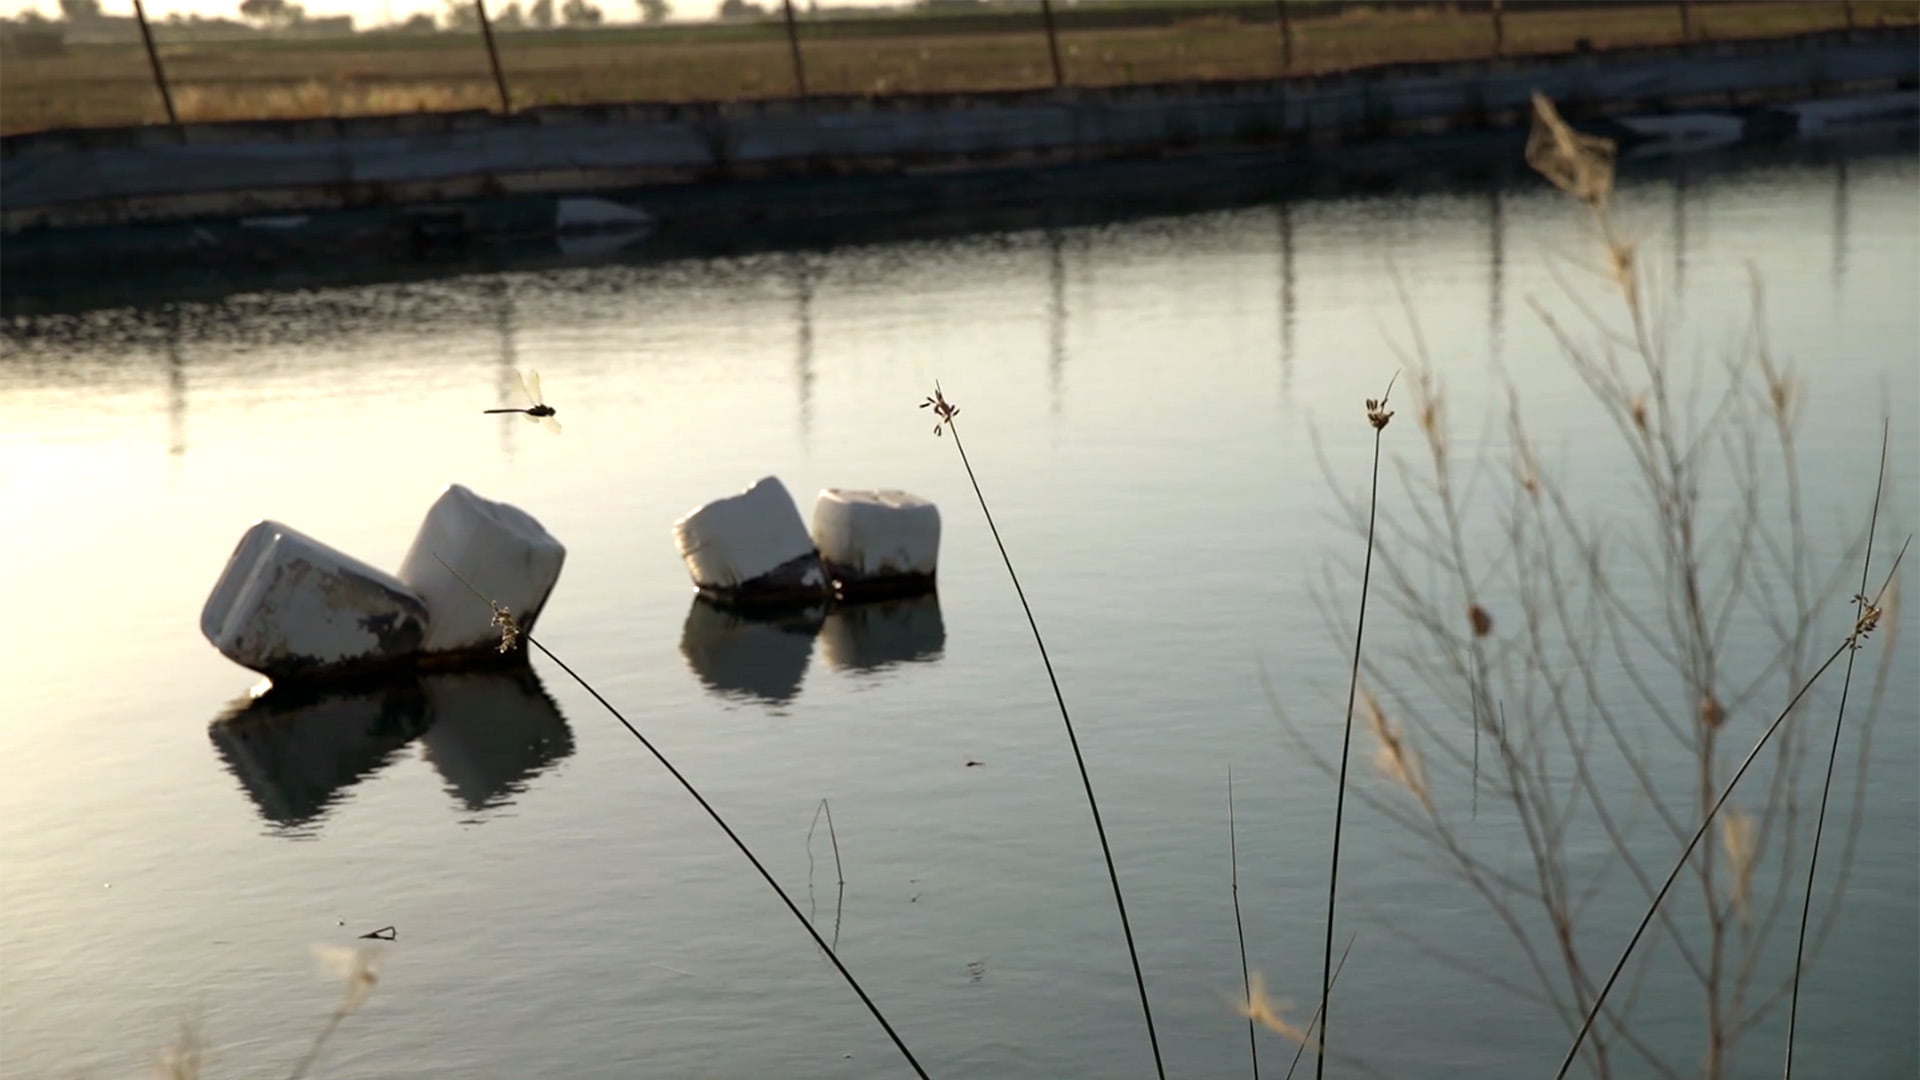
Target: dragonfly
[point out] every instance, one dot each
(536, 410)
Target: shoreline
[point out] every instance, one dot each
(885, 211)
(262, 201)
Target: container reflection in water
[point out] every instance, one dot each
(296, 751)
(759, 657)
(763, 656)
(875, 637)
(491, 734)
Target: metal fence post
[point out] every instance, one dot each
(793, 45)
(1053, 43)
(493, 56)
(153, 57)
(1286, 34)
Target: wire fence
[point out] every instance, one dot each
(99, 65)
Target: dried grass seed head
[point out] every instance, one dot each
(1580, 165)
(357, 966)
(1711, 714)
(1396, 758)
(1780, 393)
(1526, 467)
(1867, 623)
(510, 632)
(1620, 256)
(1737, 836)
(185, 1058)
(1481, 621)
(943, 409)
(1889, 608)
(1271, 1014)
(1377, 412)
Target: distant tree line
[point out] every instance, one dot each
(538, 15)
(277, 15)
(72, 11)
(272, 14)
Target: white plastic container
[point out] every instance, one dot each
(751, 547)
(877, 541)
(289, 606)
(507, 555)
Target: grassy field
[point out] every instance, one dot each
(95, 85)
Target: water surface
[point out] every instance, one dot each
(1138, 402)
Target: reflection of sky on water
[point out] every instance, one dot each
(176, 330)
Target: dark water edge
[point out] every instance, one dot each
(72, 271)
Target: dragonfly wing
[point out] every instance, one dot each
(550, 424)
(533, 385)
(521, 385)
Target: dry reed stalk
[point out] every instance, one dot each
(512, 634)
(1378, 416)
(945, 413)
(1833, 750)
(1239, 929)
(840, 875)
(357, 968)
(1868, 621)
(1577, 649)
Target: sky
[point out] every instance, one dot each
(364, 12)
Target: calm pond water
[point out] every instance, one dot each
(1139, 400)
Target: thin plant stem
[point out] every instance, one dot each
(1378, 415)
(1833, 751)
(812, 906)
(839, 874)
(333, 1022)
(744, 850)
(833, 838)
(792, 907)
(946, 413)
(1239, 930)
(1861, 626)
(1315, 1018)
(827, 809)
